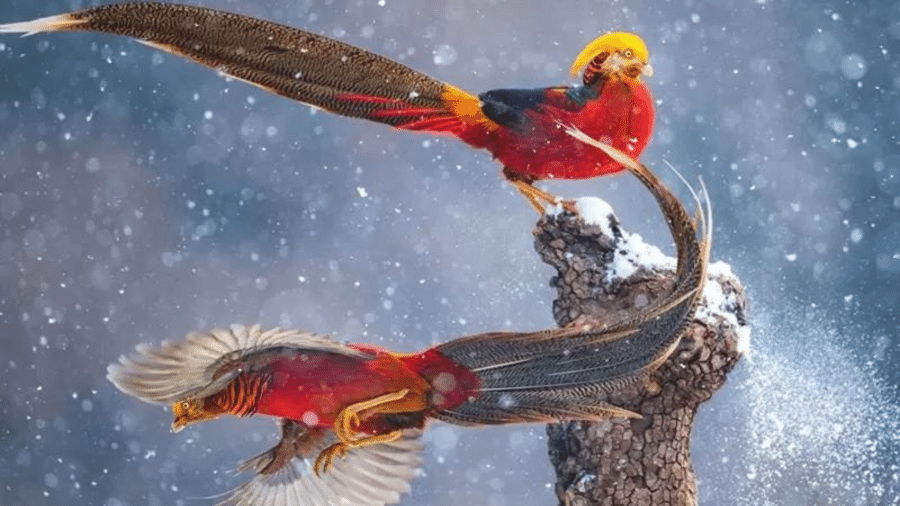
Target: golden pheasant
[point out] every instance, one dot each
(522, 128)
(357, 411)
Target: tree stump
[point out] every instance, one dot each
(603, 274)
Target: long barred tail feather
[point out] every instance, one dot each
(59, 23)
(294, 63)
(558, 374)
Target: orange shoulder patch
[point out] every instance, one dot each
(466, 107)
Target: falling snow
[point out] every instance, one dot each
(142, 197)
(445, 54)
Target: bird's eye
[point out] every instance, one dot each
(627, 53)
(185, 405)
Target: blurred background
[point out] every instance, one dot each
(142, 197)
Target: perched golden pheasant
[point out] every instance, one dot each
(352, 414)
(524, 129)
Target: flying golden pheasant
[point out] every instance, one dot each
(524, 129)
(352, 414)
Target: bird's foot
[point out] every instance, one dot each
(338, 450)
(569, 205)
(326, 456)
(348, 420)
(540, 199)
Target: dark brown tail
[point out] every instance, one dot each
(556, 374)
(290, 62)
(693, 238)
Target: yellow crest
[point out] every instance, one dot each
(610, 43)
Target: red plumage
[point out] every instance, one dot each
(621, 115)
(523, 129)
(314, 387)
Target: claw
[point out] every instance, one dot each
(326, 456)
(569, 205)
(346, 428)
(536, 196)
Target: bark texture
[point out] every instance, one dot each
(642, 461)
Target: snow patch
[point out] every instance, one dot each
(720, 268)
(597, 212)
(632, 253)
(716, 304)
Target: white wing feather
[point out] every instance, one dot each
(374, 475)
(205, 362)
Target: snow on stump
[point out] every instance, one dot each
(603, 274)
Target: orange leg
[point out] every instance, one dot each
(348, 420)
(535, 196)
(326, 456)
(397, 402)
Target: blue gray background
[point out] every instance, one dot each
(142, 197)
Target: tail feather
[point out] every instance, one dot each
(559, 374)
(563, 374)
(558, 359)
(693, 237)
(290, 62)
(58, 23)
(497, 408)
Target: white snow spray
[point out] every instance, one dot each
(817, 427)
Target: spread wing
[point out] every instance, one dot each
(205, 362)
(290, 62)
(374, 475)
